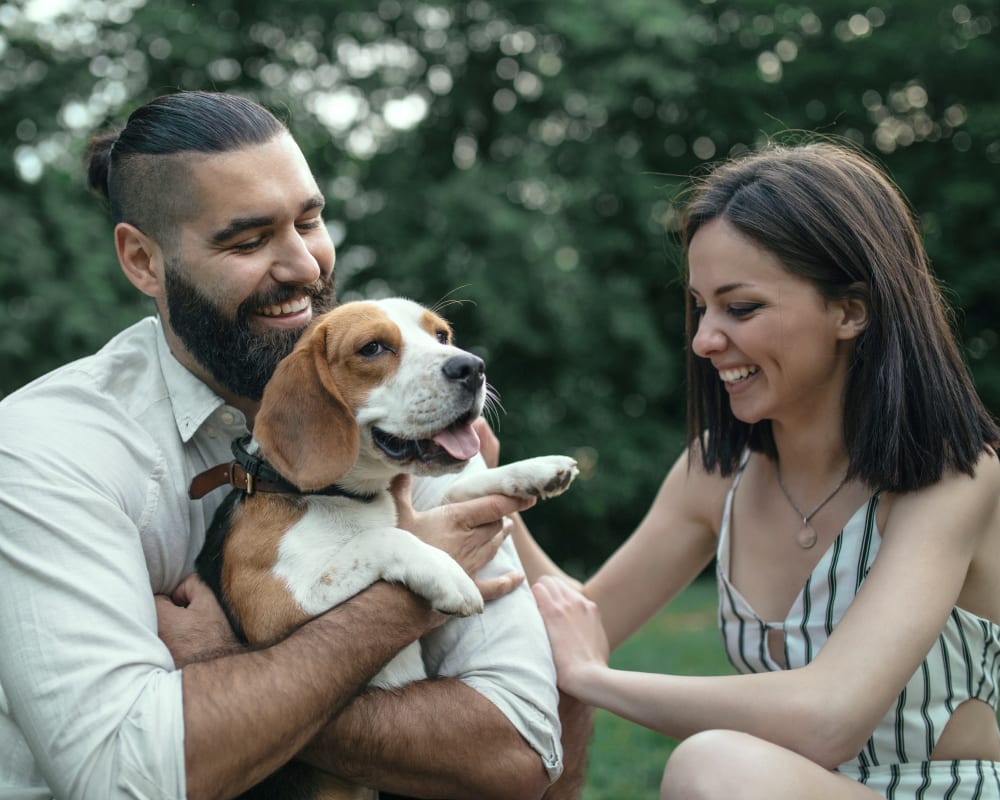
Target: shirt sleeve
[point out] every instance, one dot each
(87, 682)
(503, 653)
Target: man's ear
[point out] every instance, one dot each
(141, 259)
(854, 313)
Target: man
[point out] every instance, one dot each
(106, 692)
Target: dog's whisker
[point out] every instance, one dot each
(492, 407)
(448, 300)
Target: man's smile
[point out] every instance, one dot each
(288, 307)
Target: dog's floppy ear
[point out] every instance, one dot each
(305, 428)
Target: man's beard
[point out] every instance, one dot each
(238, 358)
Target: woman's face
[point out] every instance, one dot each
(780, 349)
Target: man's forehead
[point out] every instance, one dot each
(263, 181)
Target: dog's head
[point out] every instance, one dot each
(376, 386)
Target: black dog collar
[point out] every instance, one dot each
(250, 473)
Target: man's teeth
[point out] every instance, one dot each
(285, 308)
(733, 375)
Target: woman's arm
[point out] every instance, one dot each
(675, 541)
(672, 545)
(828, 709)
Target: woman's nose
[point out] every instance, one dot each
(708, 338)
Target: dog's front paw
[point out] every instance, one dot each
(438, 578)
(542, 477)
(457, 598)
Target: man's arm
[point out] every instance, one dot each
(264, 706)
(433, 738)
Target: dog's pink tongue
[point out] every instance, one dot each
(462, 443)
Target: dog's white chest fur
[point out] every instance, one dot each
(341, 546)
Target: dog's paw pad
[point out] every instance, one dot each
(458, 604)
(554, 479)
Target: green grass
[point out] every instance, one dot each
(626, 760)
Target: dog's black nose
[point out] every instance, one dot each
(466, 369)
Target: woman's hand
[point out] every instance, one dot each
(573, 622)
(470, 531)
(489, 444)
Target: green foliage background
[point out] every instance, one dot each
(521, 157)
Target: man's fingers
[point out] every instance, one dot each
(494, 588)
(489, 509)
(400, 490)
(188, 589)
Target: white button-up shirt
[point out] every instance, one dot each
(95, 463)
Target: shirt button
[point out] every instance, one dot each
(228, 417)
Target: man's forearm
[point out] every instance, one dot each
(245, 715)
(435, 738)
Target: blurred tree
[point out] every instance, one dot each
(516, 162)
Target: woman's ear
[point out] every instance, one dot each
(854, 312)
(141, 259)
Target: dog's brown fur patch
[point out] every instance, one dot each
(258, 598)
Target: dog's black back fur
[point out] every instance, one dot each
(209, 560)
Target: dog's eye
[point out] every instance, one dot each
(443, 336)
(373, 349)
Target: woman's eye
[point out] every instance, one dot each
(697, 311)
(743, 309)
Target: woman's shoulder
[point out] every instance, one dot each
(694, 490)
(956, 500)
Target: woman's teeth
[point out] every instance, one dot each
(290, 307)
(733, 375)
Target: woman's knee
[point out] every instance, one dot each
(707, 765)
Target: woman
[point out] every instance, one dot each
(842, 469)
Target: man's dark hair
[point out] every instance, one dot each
(142, 171)
(831, 216)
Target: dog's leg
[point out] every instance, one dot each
(544, 476)
(393, 555)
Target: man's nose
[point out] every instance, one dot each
(295, 261)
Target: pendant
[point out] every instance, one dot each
(806, 537)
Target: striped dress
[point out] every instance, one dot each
(963, 664)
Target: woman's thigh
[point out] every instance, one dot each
(721, 765)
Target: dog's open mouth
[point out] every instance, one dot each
(455, 444)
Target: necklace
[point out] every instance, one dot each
(807, 536)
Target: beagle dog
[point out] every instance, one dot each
(372, 389)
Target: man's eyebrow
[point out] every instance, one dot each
(237, 226)
(316, 201)
(240, 224)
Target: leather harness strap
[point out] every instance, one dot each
(238, 478)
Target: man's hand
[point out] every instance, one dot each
(192, 624)
(471, 531)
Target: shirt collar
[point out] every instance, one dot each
(192, 401)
